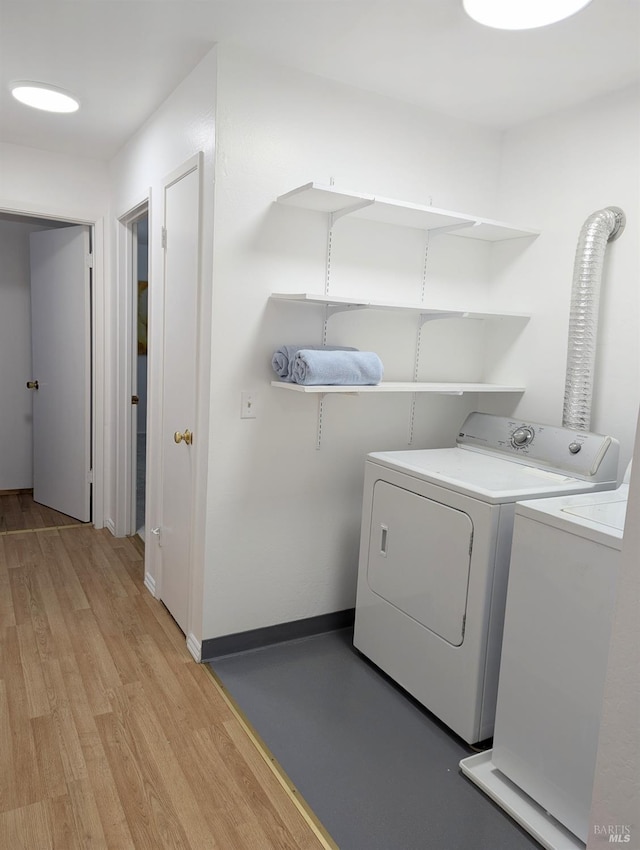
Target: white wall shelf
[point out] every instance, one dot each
(454, 388)
(328, 199)
(346, 303)
(337, 203)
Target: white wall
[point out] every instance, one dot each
(53, 184)
(182, 126)
(283, 519)
(16, 433)
(555, 173)
(74, 189)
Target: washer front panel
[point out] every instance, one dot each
(556, 637)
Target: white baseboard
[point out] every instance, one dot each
(111, 526)
(150, 584)
(194, 646)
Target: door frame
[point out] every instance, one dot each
(122, 306)
(97, 342)
(126, 344)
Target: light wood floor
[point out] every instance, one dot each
(18, 511)
(111, 736)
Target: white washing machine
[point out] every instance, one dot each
(562, 581)
(434, 554)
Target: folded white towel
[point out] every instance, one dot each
(314, 367)
(282, 360)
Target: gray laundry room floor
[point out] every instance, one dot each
(378, 770)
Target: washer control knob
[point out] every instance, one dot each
(522, 437)
(574, 448)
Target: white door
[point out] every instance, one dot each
(181, 279)
(61, 350)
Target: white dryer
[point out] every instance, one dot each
(562, 581)
(434, 554)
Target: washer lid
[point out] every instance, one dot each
(610, 514)
(481, 475)
(596, 516)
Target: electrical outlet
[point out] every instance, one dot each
(248, 405)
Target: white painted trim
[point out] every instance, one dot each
(99, 360)
(98, 330)
(123, 461)
(110, 526)
(194, 162)
(194, 646)
(150, 584)
(13, 207)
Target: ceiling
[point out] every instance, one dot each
(123, 57)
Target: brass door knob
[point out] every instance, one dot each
(186, 437)
(32, 385)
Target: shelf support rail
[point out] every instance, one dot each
(332, 218)
(320, 416)
(423, 318)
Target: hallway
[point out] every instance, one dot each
(111, 736)
(18, 512)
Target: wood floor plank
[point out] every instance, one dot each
(293, 820)
(61, 571)
(224, 809)
(230, 774)
(7, 615)
(68, 740)
(111, 736)
(63, 829)
(7, 793)
(48, 757)
(111, 812)
(168, 764)
(26, 828)
(37, 698)
(268, 818)
(18, 511)
(141, 787)
(85, 816)
(19, 757)
(55, 603)
(9, 551)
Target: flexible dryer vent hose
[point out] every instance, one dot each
(601, 227)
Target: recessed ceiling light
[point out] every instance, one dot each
(44, 96)
(521, 14)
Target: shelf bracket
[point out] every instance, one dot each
(332, 309)
(445, 314)
(334, 216)
(450, 228)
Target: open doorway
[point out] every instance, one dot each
(36, 445)
(140, 244)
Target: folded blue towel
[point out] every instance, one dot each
(313, 367)
(282, 360)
